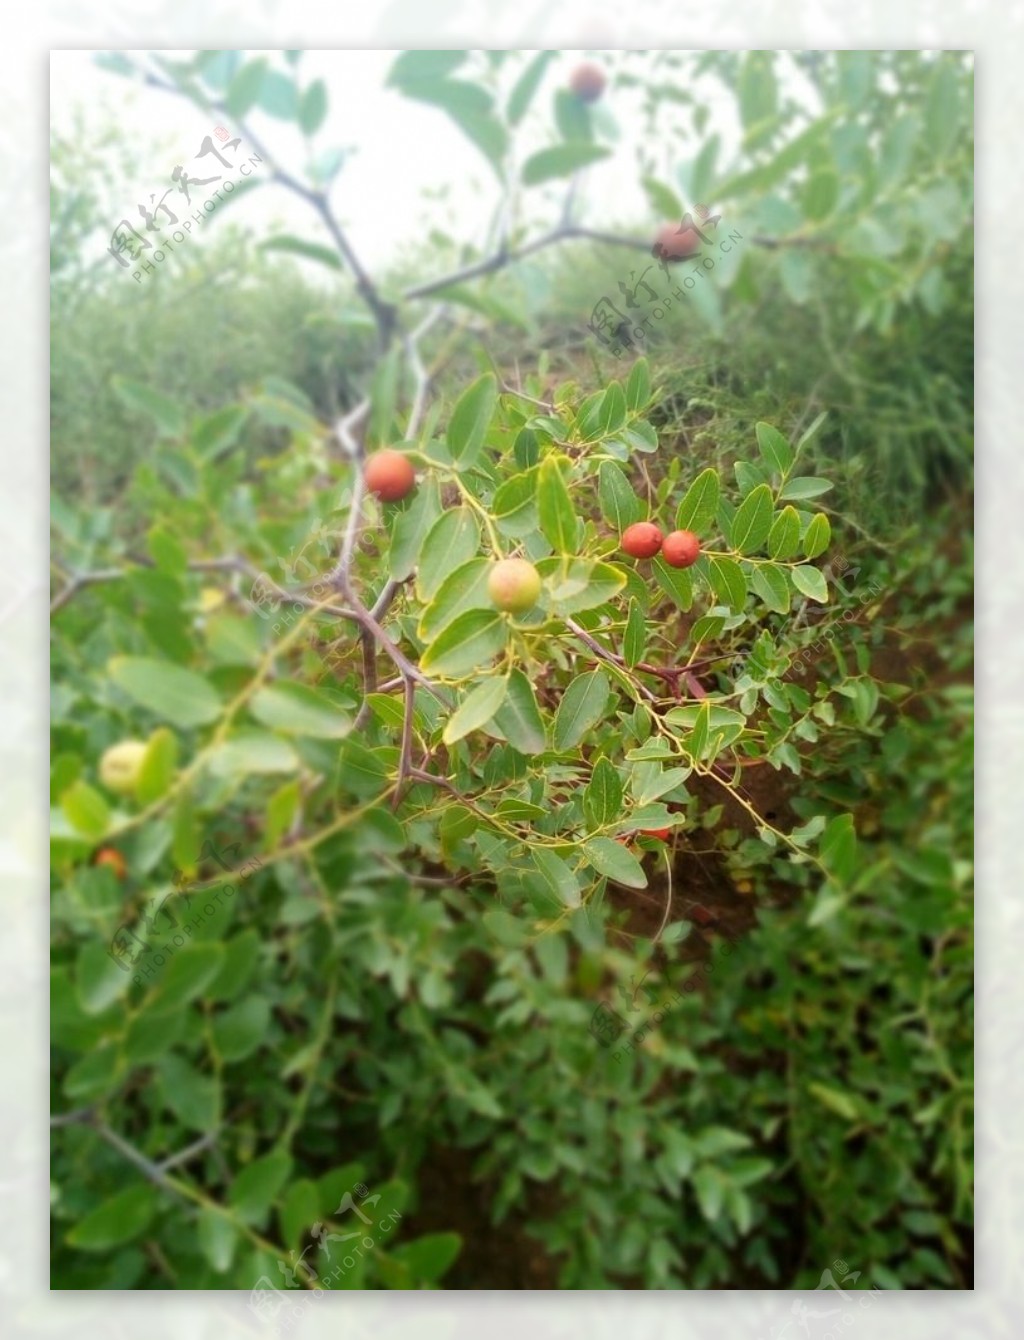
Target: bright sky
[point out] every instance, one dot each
(405, 151)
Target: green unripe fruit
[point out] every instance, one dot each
(121, 766)
(514, 585)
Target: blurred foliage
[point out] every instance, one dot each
(542, 1049)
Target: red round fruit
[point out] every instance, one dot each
(662, 834)
(675, 243)
(681, 549)
(111, 857)
(642, 539)
(389, 475)
(588, 81)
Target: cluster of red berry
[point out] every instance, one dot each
(679, 549)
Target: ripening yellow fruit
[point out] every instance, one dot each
(514, 585)
(121, 766)
(210, 599)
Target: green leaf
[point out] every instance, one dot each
(217, 1238)
(278, 96)
(255, 1189)
(167, 551)
(582, 706)
(476, 709)
(94, 1075)
(710, 1186)
(942, 110)
(117, 1220)
(634, 639)
(784, 536)
(620, 506)
(241, 955)
(836, 1101)
(240, 1030)
(519, 719)
(839, 847)
(554, 506)
(753, 520)
(617, 862)
(706, 628)
(471, 418)
(561, 161)
(677, 583)
(86, 810)
(576, 584)
(166, 413)
(298, 709)
(100, 979)
(453, 540)
(410, 528)
(187, 975)
(810, 582)
(169, 691)
(803, 486)
(313, 107)
(638, 387)
(151, 1036)
(194, 1099)
(299, 1211)
(664, 201)
(775, 450)
(416, 67)
(526, 87)
(384, 397)
(470, 107)
(602, 798)
(469, 642)
(770, 584)
(428, 1258)
(727, 582)
(558, 875)
(298, 246)
(699, 506)
(462, 590)
(514, 504)
(612, 410)
(244, 90)
(572, 117)
(156, 772)
(818, 536)
(820, 195)
(185, 840)
(248, 753)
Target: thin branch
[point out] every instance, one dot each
(146, 1166)
(199, 1146)
(419, 372)
(506, 255)
(82, 580)
(668, 899)
(608, 656)
(405, 757)
(384, 313)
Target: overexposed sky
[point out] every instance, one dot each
(408, 155)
